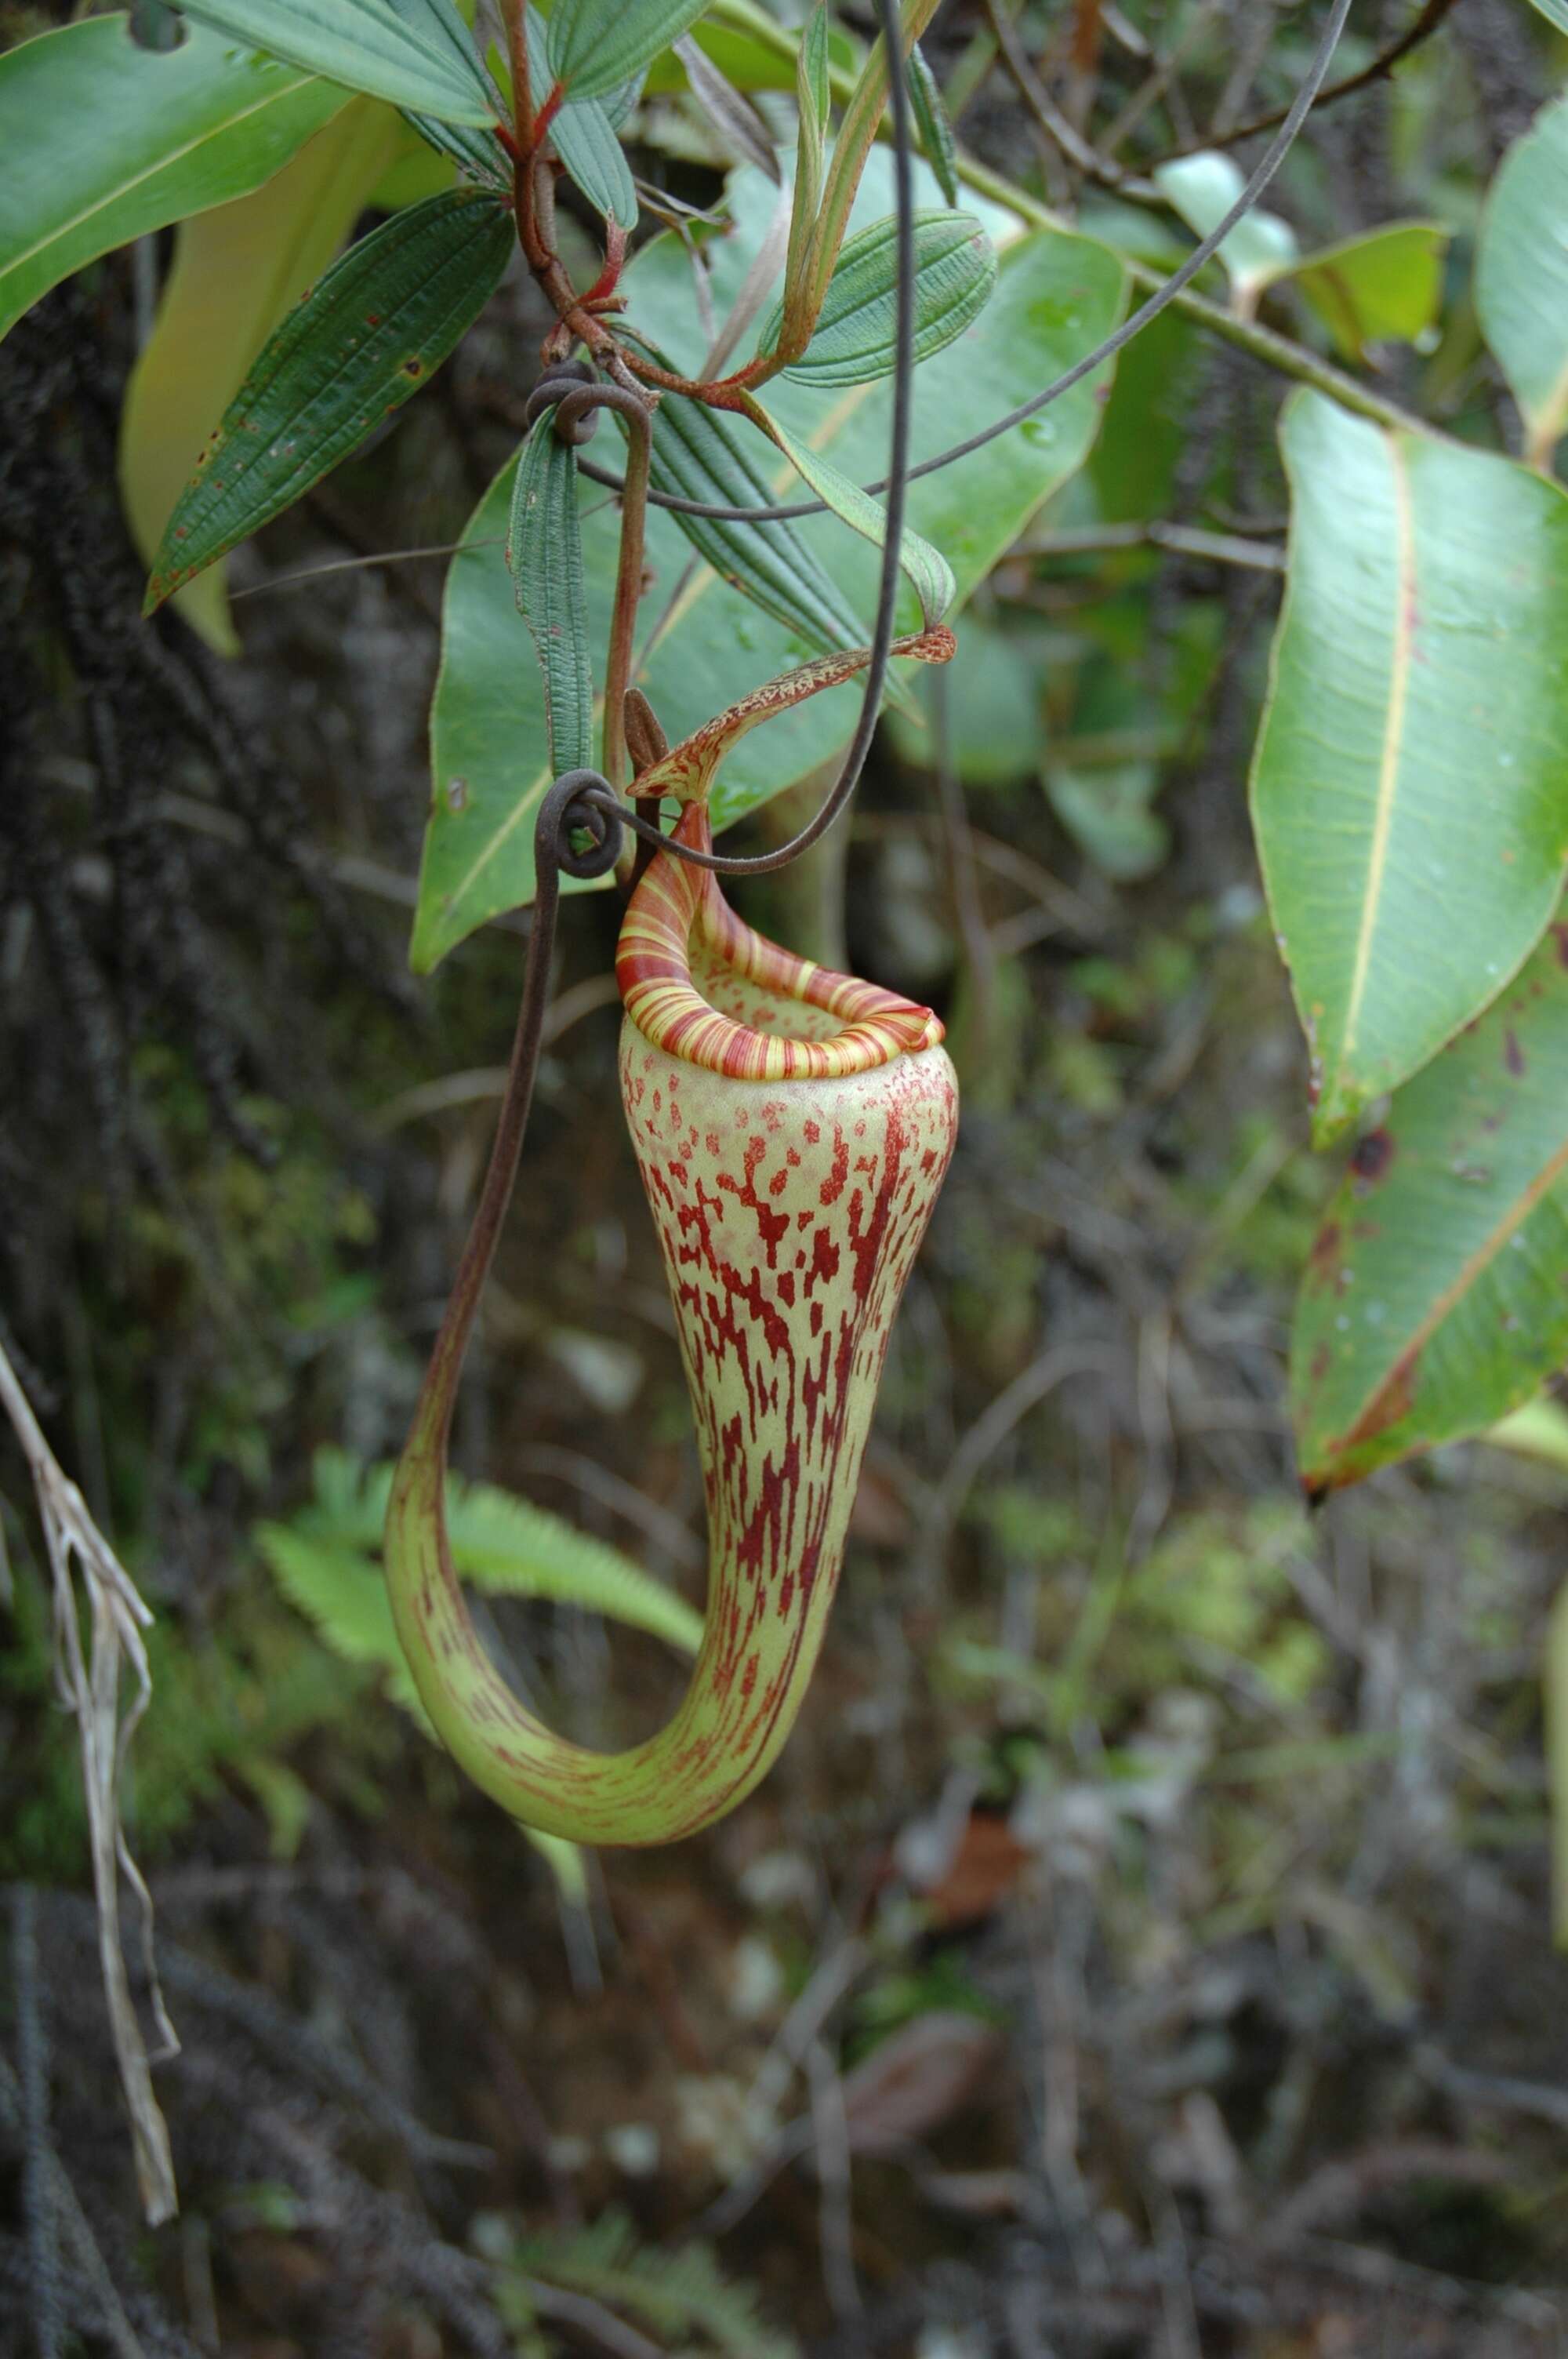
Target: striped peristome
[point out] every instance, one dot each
(793, 1127)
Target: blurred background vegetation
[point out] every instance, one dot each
(1144, 1946)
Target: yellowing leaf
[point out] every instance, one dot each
(237, 269)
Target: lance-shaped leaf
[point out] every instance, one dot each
(937, 142)
(132, 140)
(237, 270)
(1522, 278)
(1555, 12)
(543, 551)
(697, 456)
(362, 44)
(1056, 295)
(856, 133)
(478, 151)
(595, 45)
(854, 339)
(924, 567)
(584, 137)
(1408, 790)
(688, 772)
(740, 124)
(377, 327)
(1434, 1300)
(813, 99)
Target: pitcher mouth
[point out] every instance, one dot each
(675, 905)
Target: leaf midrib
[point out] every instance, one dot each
(174, 156)
(1391, 750)
(1470, 1272)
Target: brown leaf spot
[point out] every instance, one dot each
(1371, 1159)
(1323, 1258)
(1513, 1055)
(414, 368)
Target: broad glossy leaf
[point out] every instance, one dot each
(930, 121)
(238, 268)
(1522, 276)
(132, 140)
(595, 45)
(1056, 295)
(373, 332)
(1409, 791)
(955, 272)
(1203, 188)
(701, 454)
(585, 138)
(1434, 1300)
(924, 567)
(363, 44)
(544, 551)
(1384, 288)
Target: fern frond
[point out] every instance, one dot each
(675, 2293)
(503, 1545)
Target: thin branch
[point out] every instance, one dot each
(1425, 24)
(1057, 126)
(1178, 539)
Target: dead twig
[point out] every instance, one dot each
(90, 1687)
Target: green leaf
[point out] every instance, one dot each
(1408, 790)
(1056, 295)
(1203, 188)
(1522, 278)
(503, 1545)
(1434, 1300)
(597, 44)
(373, 332)
(134, 140)
(1385, 288)
(238, 268)
(929, 572)
(543, 551)
(813, 99)
(742, 129)
(930, 121)
(698, 455)
(364, 45)
(853, 342)
(857, 130)
(1555, 12)
(813, 89)
(479, 152)
(1109, 812)
(585, 140)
